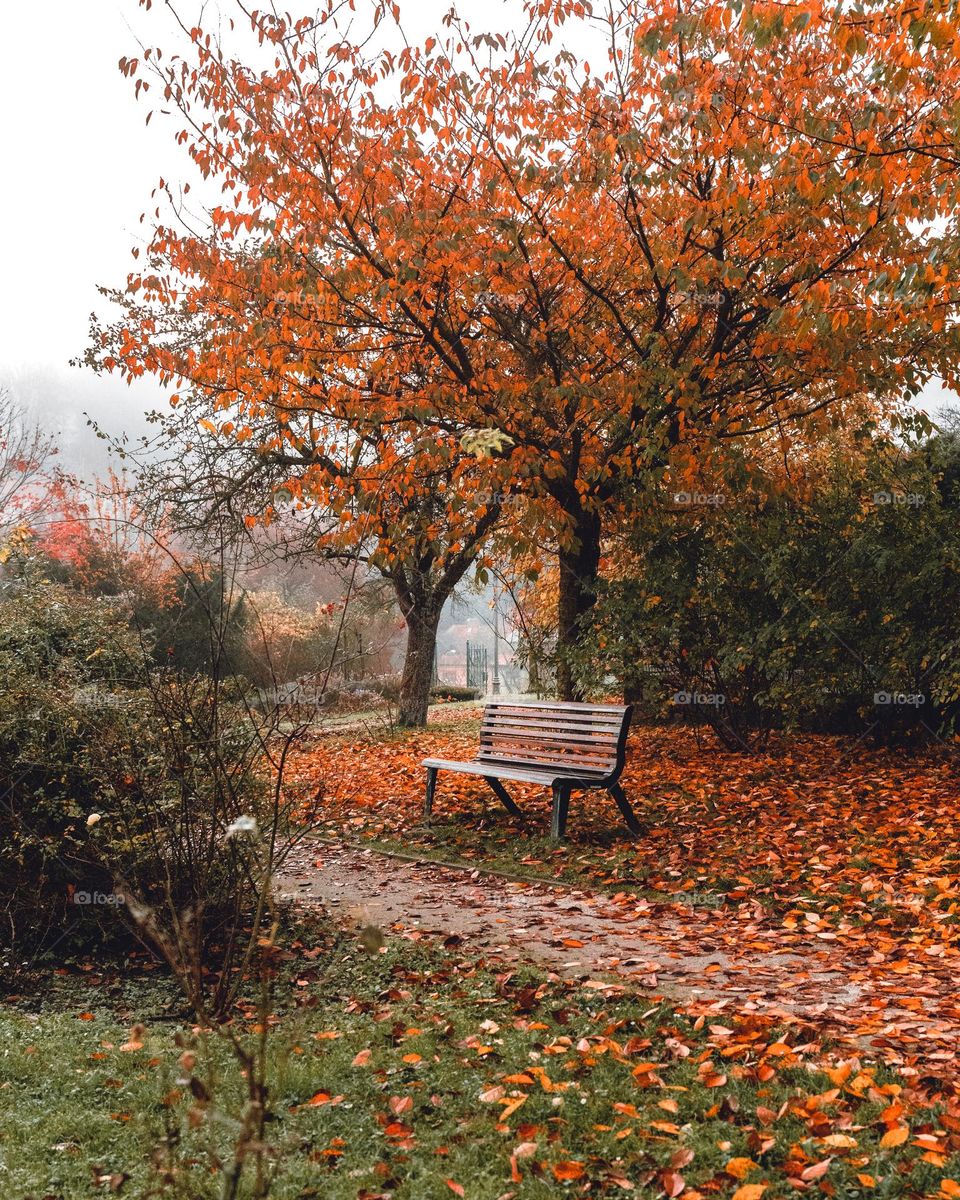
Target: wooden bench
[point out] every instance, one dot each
(562, 746)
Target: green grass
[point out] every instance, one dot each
(442, 1034)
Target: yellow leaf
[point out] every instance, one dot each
(839, 1141)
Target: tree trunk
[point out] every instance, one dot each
(579, 566)
(417, 677)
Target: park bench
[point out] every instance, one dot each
(563, 746)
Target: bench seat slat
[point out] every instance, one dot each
(570, 765)
(515, 771)
(557, 706)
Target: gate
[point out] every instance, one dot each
(477, 667)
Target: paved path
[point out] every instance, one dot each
(572, 932)
(905, 1012)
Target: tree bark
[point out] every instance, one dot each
(417, 677)
(579, 567)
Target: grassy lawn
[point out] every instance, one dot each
(415, 1073)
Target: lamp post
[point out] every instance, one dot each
(496, 651)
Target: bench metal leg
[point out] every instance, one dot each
(617, 792)
(561, 802)
(431, 788)
(504, 797)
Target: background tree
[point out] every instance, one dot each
(392, 501)
(26, 451)
(727, 228)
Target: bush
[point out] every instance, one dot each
(119, 782)
(827, 607)
(453, 691)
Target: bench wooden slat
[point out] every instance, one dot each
(523, 733)
(568, 767)
(504, 720)
(587, 717)
(499, 770)
(555, 720)
(507, 752)
(559, 705)
(520, 746)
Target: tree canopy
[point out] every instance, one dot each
(739, 222)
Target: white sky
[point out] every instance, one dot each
(78, 166)
(78, 169)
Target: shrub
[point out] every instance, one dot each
(828, 607)
(119, 782)
(453, 691)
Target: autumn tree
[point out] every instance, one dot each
(359, 504)
(738, 219)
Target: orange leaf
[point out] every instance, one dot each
(567, 1170)
(749, 1191)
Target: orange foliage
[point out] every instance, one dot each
(106, 543)
(718, 230)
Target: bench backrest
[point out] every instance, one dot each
(587, 738)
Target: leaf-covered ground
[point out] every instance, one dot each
(418, 1074)
(823, 846)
